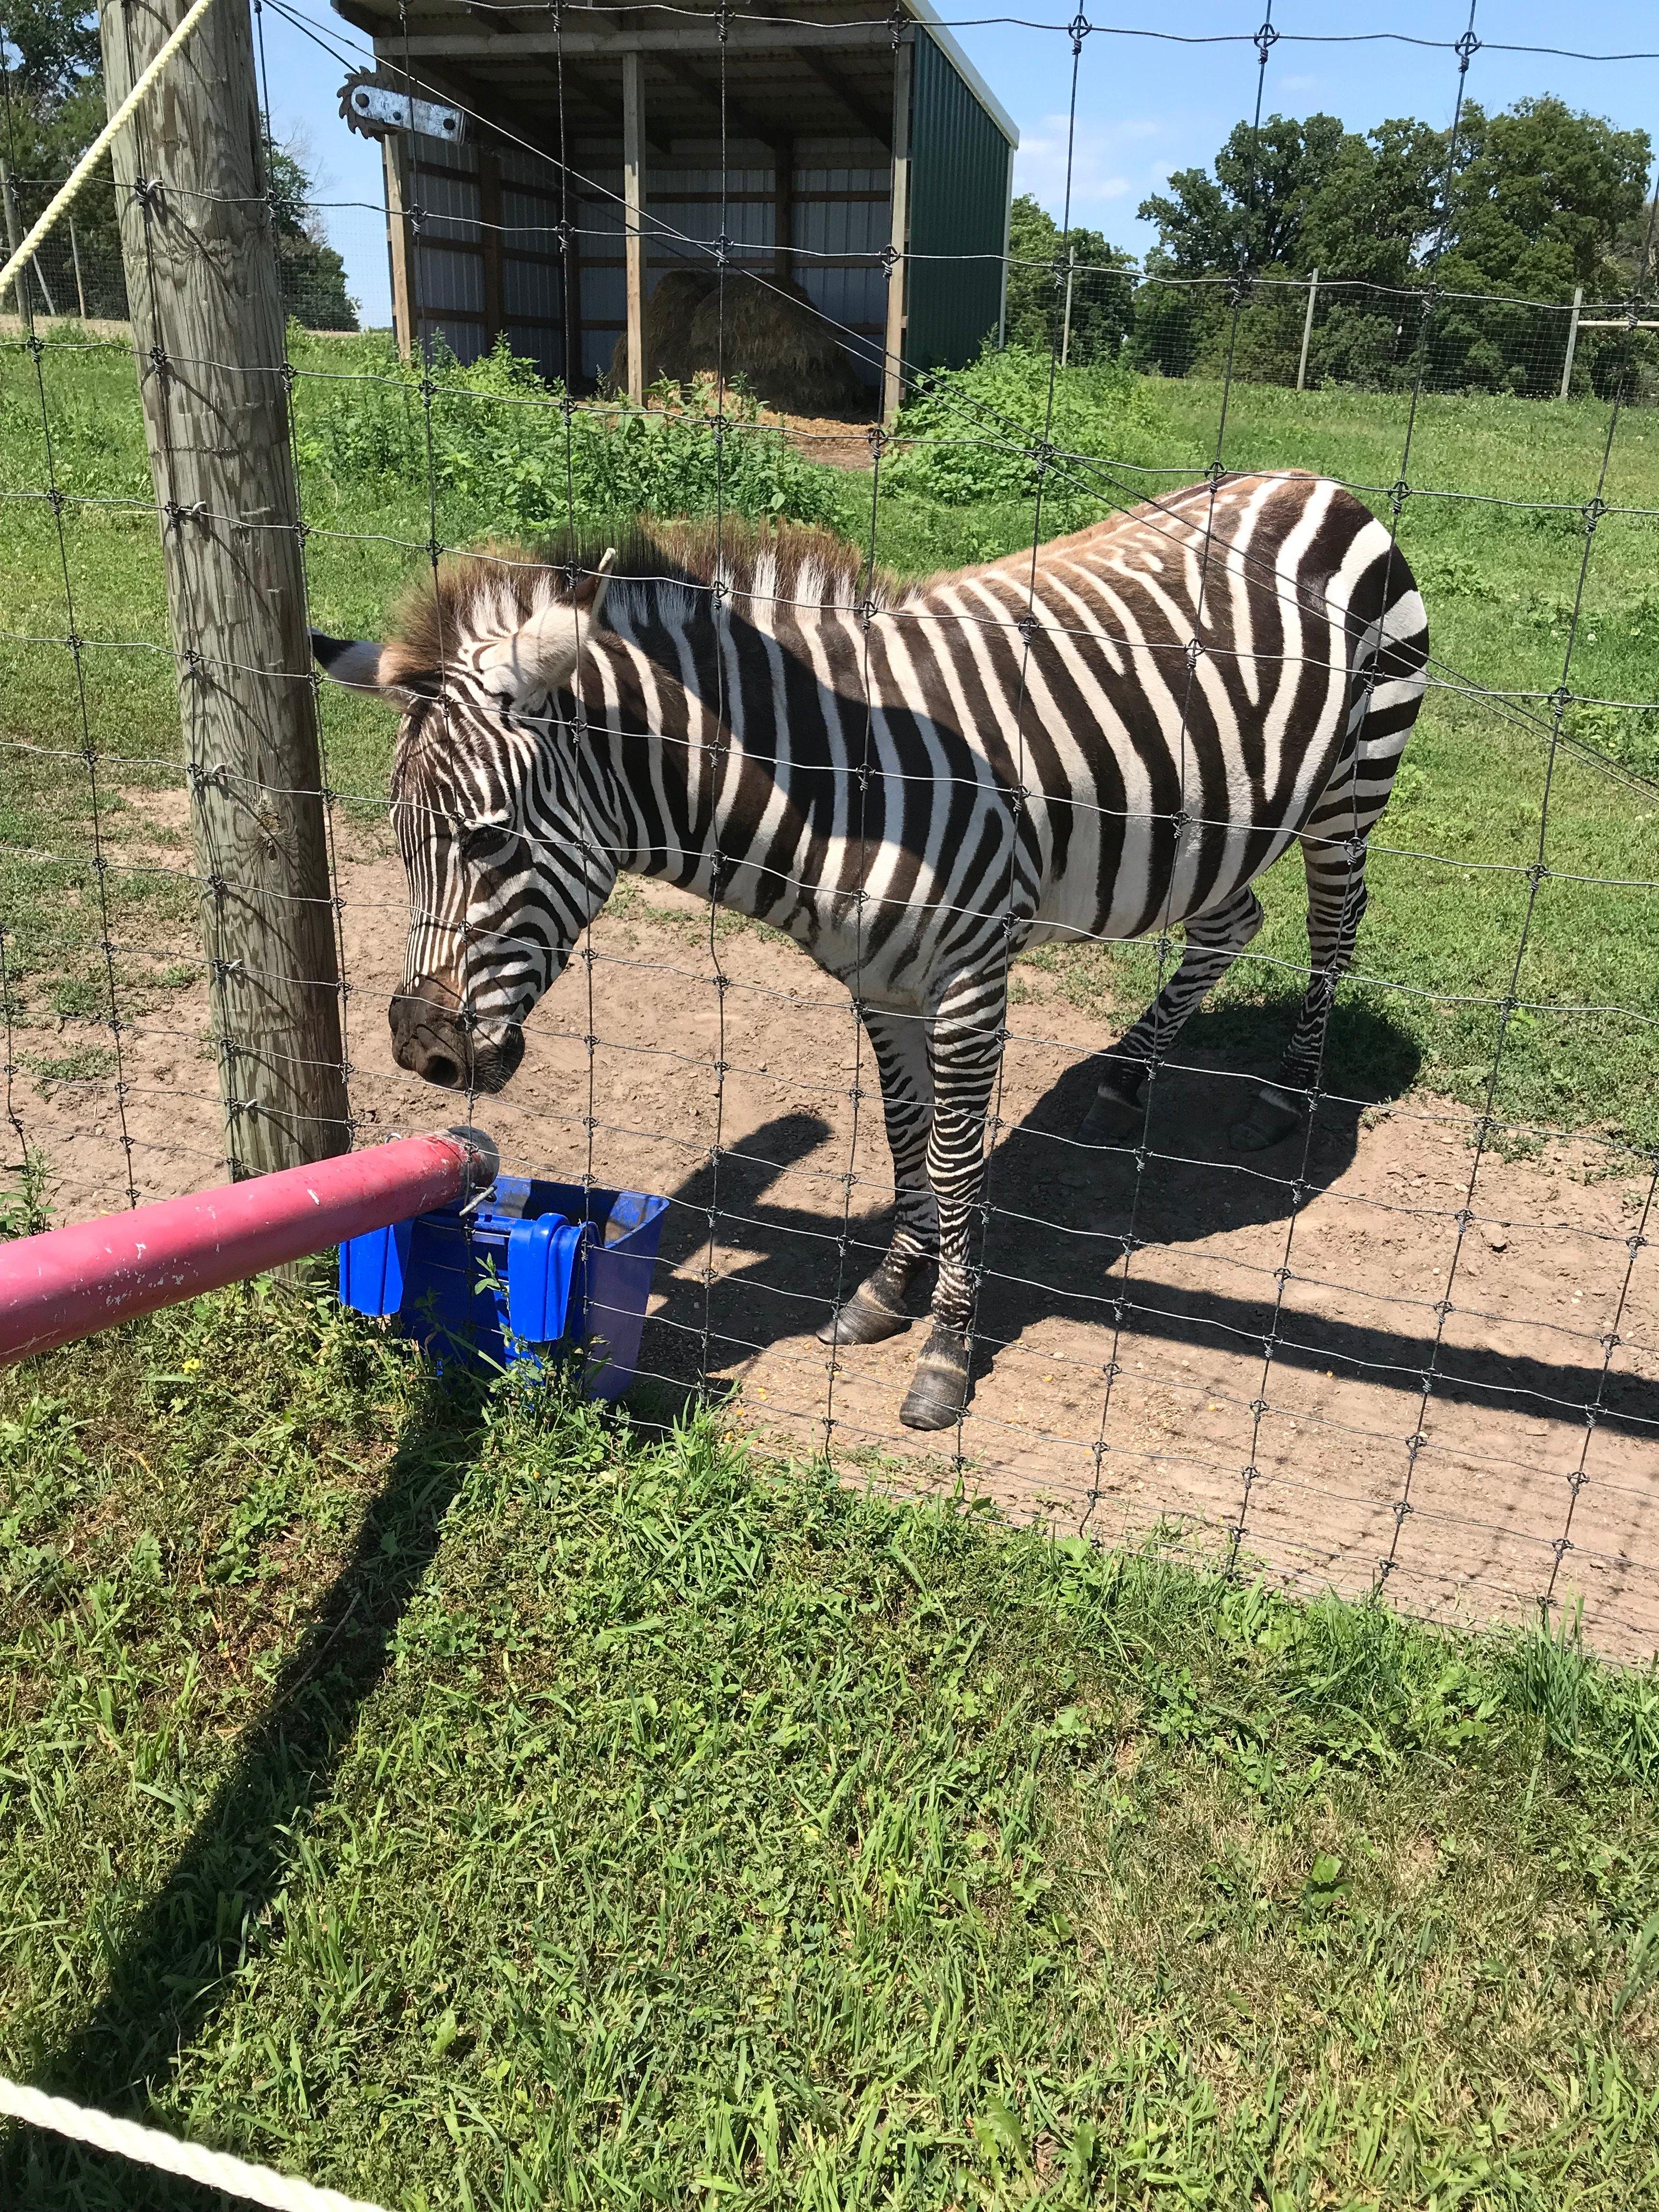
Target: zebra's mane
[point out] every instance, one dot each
(492, 592)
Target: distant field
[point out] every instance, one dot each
(1449, 894)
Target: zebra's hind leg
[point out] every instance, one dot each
(1335, 862)
(965, 1053)
(1214, 941)
(877, 1310)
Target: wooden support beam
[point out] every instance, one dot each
(489, 240)
(400, 245)
(864, 112)
(783, 210)
(571, 298)
(207, 325)
(598, 100)
(892, 382)
(740, 122)
(633, 213)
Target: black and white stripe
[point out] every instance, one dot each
(1110, 739)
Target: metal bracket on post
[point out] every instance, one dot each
(375, 110)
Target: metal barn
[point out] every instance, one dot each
(866, 160)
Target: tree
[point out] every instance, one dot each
(1101, 303)
(56, 108)
(1252, 213)
(53, 108)
(49, 49)
(1541, 198)
(311, 274)
(1289, 198)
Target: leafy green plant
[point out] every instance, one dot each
(25, 1209)
(977, 433)
(505, 447)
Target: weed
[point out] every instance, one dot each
(25, 1209)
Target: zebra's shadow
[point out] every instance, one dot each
(1058, 1214)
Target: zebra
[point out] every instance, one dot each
(1105, 738)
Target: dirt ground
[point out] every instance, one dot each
(1515, 1492)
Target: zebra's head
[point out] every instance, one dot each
(503, 873)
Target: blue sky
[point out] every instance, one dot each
(1144, 106)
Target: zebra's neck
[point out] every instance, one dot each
(732, 738)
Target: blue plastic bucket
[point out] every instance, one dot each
(535, 1269)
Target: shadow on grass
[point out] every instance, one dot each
(169, 1971)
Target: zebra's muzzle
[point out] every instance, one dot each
(433, 1039)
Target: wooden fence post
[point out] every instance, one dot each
(1307, 331)
(892, 380)
(207, 331)
(1572, 339)
(400, 246)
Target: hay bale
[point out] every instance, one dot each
(669, 311)
(775, 340)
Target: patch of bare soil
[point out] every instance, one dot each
(1256, 1364)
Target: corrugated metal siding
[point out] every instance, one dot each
(449, 257)
(839, 243)
(959, 185)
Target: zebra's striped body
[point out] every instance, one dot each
(1114, 737)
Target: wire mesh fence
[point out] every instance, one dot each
(1410, 1345)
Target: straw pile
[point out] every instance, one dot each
(774, 339)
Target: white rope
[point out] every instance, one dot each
(215, 2169)
(78, 175)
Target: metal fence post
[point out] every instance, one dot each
(207, 331)
(1307, 333)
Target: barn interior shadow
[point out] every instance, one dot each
(1059, 1214)
(170, 1968)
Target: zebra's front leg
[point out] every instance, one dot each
(877, 1310)
(1214, 940)
(965, 1053)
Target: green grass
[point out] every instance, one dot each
(478, 1804)
(1449, 893)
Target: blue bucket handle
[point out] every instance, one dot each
(543, 1257)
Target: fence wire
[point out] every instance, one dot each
(1413, 1347)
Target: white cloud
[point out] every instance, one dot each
(1298, 84)
(1103, 168)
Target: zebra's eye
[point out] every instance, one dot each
(484, 843)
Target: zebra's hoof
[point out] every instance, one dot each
(1272, 1118)
(936, 1398)
(1112, 1119)
(863, 1320)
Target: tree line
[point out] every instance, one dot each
(54, 107)
(1538, 200)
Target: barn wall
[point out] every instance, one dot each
(841, 221)
(448, 267)
(454, 246)
(842, 193)
(960, 178)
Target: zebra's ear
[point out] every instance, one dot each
(354, 661)
(540, 658)
(592, 587)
